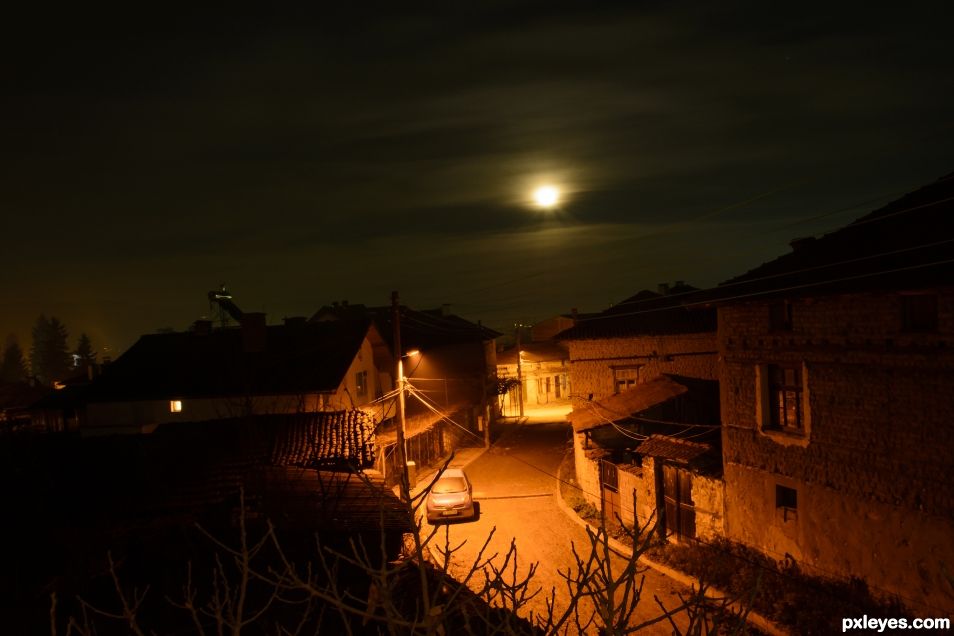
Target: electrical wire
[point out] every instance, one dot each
(491, 308)
(783, 274)
(772, 291)
(738, 557)
(425, 401)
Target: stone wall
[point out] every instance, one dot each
(708, 497)
(587, 468)
(592, 361)
(873, 472)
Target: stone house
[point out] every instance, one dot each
(454, 362)
(645, 411)
(837, 393)
(210, 374)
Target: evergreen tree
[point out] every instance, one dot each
(50, 356)
(85, 357)
(13, 367)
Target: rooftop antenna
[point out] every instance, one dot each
(221, 306)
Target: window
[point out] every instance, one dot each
(785, 398)
(625, 378)
(919, 312)
(786, 502)
(361, 383)
(780, 315)
(175, 406)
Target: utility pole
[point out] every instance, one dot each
(519, 372)
(399, 375)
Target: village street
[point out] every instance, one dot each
(516, 484)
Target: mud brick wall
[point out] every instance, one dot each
(874, 474)
(592, 361)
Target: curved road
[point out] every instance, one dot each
(516, 485)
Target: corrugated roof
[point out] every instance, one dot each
(679, 450)
(622, 405)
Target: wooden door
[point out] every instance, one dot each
(679, 514)
(609, 487)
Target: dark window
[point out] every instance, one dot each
(780, 315)
(919, 312)
(786, 497)
(785, 397)
(361, 383)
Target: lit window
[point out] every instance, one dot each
(175, 406)
(785, 397)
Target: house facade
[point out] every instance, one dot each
(837, 393)
(205, 375)
(450, 362)
(543, 373)
(644, 378)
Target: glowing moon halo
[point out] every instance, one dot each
(546, 196)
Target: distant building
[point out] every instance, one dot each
(644, 378)
(837, 381)
(639, 339)
(453, 363)
(544, 379)
(206, 374)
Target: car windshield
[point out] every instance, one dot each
(449, 484)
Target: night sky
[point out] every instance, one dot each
(303, 159)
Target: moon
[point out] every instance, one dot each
(546, 196)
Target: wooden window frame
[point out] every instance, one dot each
(624, 380)
(361, 384)
(780, 316)
(767, 407)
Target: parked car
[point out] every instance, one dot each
(451, 497)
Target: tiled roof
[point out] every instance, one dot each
(347, 502)
(647, 313)
(622, 405)
(908, 243)
(675, 449)
(305, 439)
(296, 359)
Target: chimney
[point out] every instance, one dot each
(574, 313)
(680, 283)
(253, 332)
(663, 288)
(445, 309)
(801, 242)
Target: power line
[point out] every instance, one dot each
(489, 308)
(808, 581)
(772, 291)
